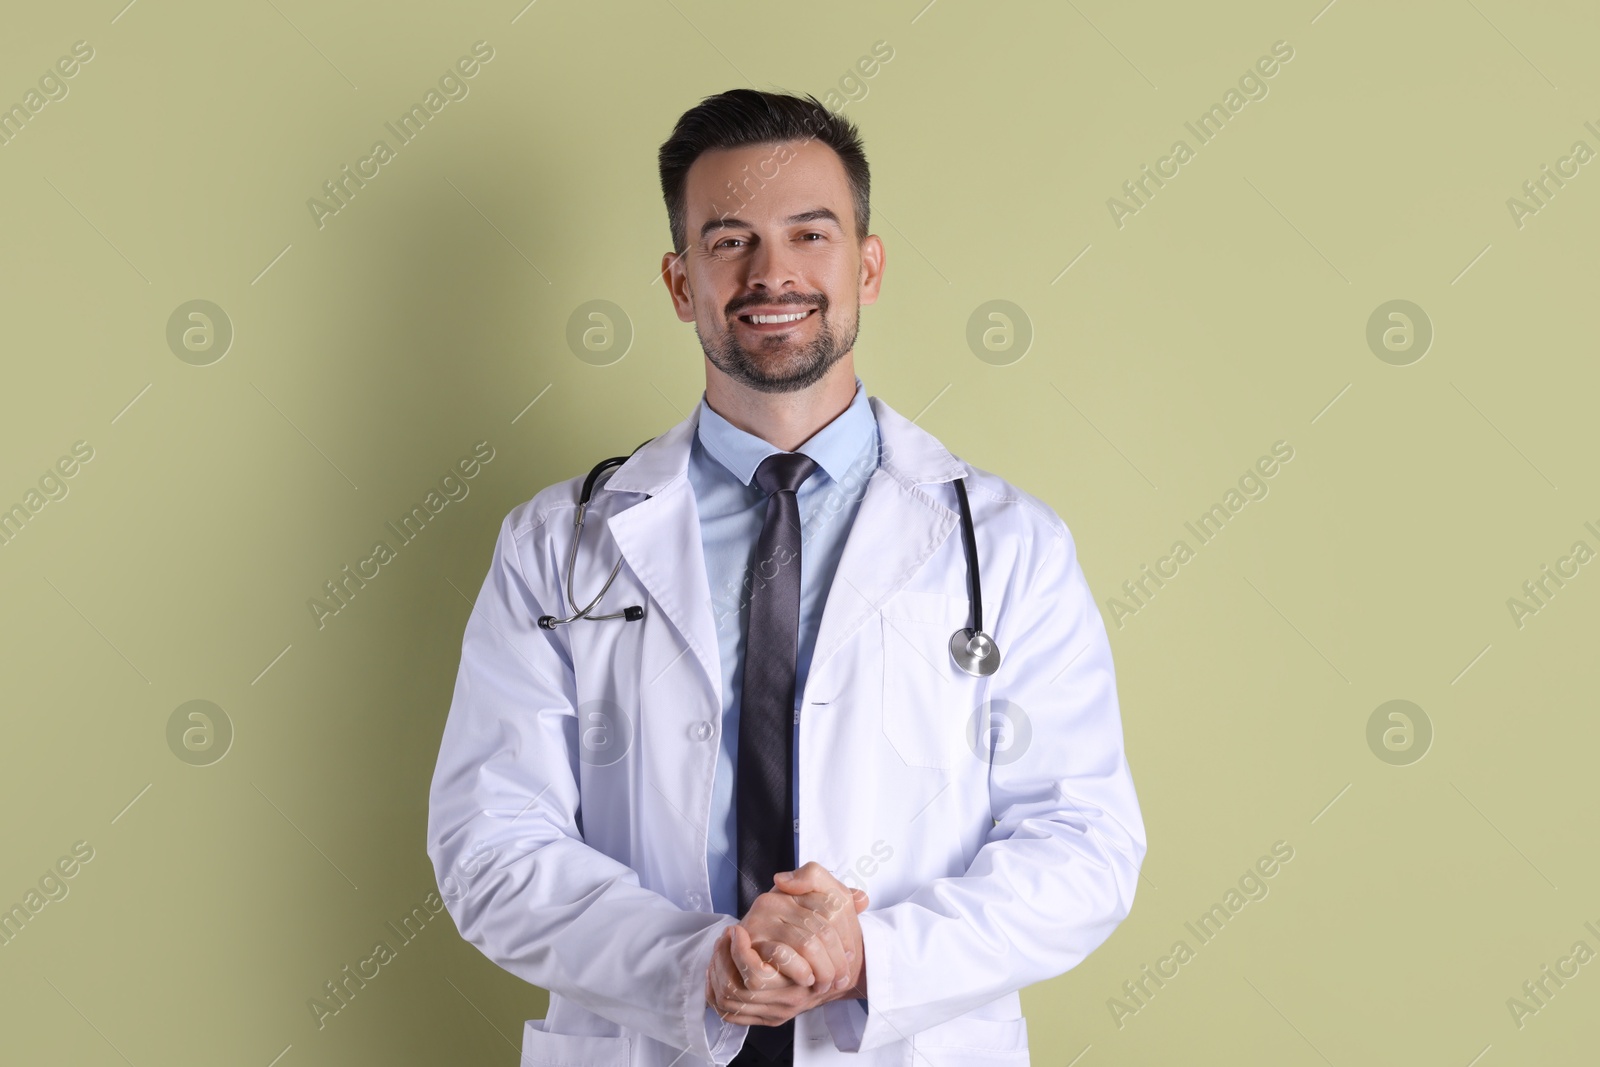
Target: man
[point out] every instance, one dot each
(655, 816)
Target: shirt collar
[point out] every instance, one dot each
(834, 447)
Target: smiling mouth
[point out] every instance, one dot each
(778, 321)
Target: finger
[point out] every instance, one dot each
(756, 972)
(806, 924)
(809, 876)
(791, 963)
(789, 997)
(831, 906)
(767, 933)
(763, 1016)
(763, 983)
(766, 1006)
(739, 950)
(825, 902)
(736, 998)
(804, 933)
(731, 996)
(791, 882)
(816, 939)
(828, 906)
(714, 975)
(726, 988)
(736, 1009)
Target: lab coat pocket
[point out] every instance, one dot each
(969, 1042)
(925, 696)
(543, 1048)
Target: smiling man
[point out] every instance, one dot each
(783, 799)
(772, 264)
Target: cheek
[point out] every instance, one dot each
(709, 286)
(843, 280)
(709, 302)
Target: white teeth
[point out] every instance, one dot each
(765, 319)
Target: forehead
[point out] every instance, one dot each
(766, 181)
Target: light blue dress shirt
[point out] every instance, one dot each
(722, 467)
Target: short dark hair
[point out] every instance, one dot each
(741, 117)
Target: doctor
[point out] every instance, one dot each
(761, 815)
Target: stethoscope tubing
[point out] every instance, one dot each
(550, 622)
(973, 650)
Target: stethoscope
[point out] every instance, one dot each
(973, 650)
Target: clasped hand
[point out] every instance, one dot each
(798, 946)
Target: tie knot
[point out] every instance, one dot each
(784, 471)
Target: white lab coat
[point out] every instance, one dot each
(569, 807)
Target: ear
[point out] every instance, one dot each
(675, 275)
(871, 277)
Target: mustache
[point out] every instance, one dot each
(820, 302)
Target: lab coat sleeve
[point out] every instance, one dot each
(512, 864)
(1058, 871)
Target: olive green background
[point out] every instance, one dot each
(371, 353)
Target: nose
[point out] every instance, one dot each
(770, 267)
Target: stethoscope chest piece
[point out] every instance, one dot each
(974, 652)
(973, 649)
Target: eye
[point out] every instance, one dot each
(726, 240)
(815, 234)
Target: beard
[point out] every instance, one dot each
(778, 363)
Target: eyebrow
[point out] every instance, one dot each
(814, 215)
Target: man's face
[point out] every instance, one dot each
(771, 235)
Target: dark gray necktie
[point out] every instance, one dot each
(763, 815)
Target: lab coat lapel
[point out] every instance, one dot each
(660, 539)
(897, 528)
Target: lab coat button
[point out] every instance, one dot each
(693, 900)
(701, 731)
(797, 826)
